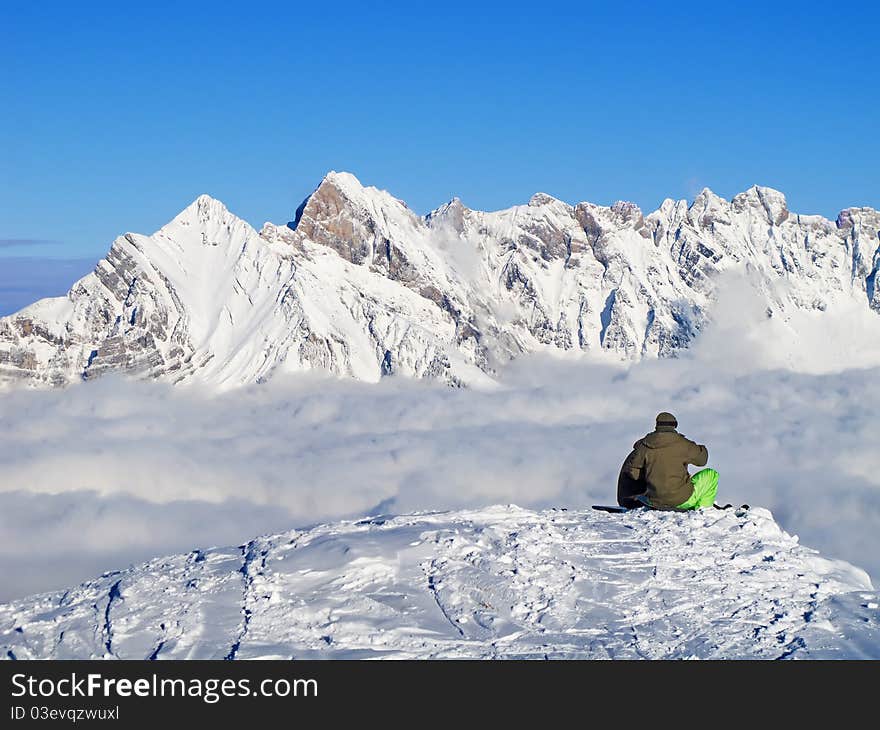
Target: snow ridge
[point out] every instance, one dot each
(500, 582)
(358, 285)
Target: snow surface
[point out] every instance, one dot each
(501, 582)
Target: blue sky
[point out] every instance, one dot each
(117, 115)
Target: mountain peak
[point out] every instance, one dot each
(539, 199)
(708, 193)
(627, 212)
(451, 213)
(201, 211)
(338, 191)
(350, 187)
(332, 192)
(344, 181)
(772, 202)
(707, 198)
(206, 203)
(348, 217)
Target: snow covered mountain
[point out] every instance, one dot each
(501, 582)
(359, 285)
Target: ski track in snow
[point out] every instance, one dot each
(501, 582)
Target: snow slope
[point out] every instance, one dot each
(360, 286)
(501, 582)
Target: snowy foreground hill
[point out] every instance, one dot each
(358, 285)
(502, 582)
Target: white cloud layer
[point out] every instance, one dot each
(112, 472)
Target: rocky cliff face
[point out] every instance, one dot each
(358, 285)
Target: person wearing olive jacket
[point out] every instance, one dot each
(655, 474)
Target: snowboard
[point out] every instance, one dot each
(613, 508)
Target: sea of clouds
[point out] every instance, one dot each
(109, 473)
